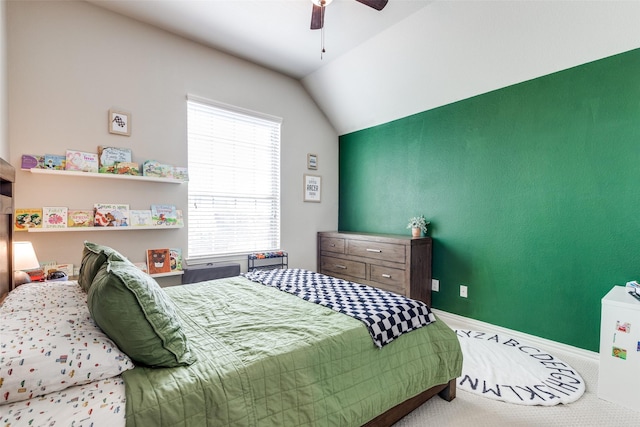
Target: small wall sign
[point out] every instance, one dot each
(312, 188)
(312, 161)
(119, 123)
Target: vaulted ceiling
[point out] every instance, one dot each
(273, 33)
(411, 56)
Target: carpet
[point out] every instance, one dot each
(502, 368)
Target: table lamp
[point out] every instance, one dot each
(24, 258)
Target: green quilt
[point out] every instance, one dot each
(268, 358)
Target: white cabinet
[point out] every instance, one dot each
(619, 375)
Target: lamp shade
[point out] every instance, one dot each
(24, 257)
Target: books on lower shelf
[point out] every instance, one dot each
(54, 217)
(140, 218)
(164, 215)
(110, 215)
(175, 257)
(158, 261)
(101, 215)
(27, 218)
(80, 218)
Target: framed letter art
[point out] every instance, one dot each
(119, 123)
(312, 161)
(312, 188)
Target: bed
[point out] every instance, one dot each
(115, 349)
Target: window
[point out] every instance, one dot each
(234, 179)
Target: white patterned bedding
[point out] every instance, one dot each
(97, 404)
(55, 363)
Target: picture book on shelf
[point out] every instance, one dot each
(30, 161)
(175, 256)
(140, 218)
(126, 168)
(55, 161)
(26, 218)
(109, 157)
(54, 217)
(158, 261)
(179, 218)
(110, 215)
(157, 169)
(81, 161)
(179, 173)
(80, 218)
(164, 214)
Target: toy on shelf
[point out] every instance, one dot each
(267, 260)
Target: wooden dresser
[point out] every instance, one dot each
(397, 263)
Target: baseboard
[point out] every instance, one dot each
(543, 343)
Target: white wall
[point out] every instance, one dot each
(70, 62)
(4, 115)
(453, 50)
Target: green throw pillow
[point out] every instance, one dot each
(136, 313)
(93, 256)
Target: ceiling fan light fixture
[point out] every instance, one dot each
(321, 3)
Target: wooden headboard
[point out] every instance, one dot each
(7, 178)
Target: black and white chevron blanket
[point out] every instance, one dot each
(387, 315)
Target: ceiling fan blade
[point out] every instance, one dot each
(317, 17)
(376, 4)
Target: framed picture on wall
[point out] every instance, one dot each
(312, 188)
(119, 123)
(312, 161)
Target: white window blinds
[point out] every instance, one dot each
(234, 179)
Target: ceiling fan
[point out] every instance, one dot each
(317, 13)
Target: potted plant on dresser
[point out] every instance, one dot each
(418, 225)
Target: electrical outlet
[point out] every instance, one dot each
(435, 285)
(463, 291)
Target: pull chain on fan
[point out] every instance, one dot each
(317, 15)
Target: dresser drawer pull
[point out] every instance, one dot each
(344, 267)
(386, 276)
(374, 250)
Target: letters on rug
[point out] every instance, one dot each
(503, 368)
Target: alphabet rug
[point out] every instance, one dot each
(502, 368)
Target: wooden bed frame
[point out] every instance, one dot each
(446, 391)
(7, 178)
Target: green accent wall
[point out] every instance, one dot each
(533, 192)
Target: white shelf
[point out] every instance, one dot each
(104, 175)
(78, 229)
(173, 273)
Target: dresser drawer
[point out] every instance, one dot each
(391, 279)
(382, 251)
(332, 244)
(342, 267)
